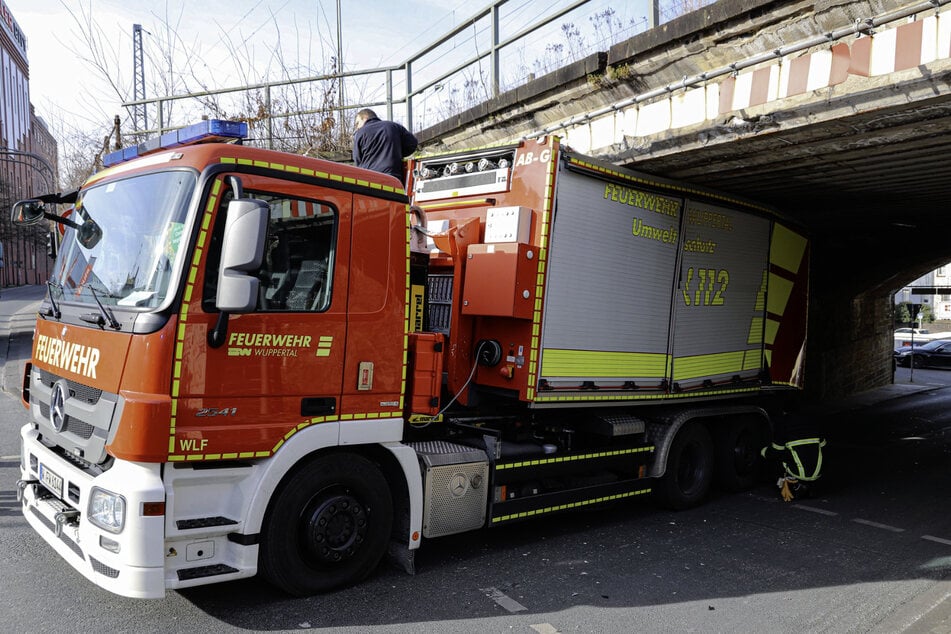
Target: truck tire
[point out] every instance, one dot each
(689, 471)
(328, 526)
(739, 464)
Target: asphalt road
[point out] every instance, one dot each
(871, 553)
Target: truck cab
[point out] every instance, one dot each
(211, 305)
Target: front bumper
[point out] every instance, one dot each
(137, 569)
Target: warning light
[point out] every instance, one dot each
(209, 131)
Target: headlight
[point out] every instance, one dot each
(107, 510)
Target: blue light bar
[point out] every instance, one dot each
(209, 131)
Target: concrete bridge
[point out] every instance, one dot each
(837, 113)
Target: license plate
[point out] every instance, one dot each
(51, 481)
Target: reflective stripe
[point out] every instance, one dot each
(658, 396)
(779, 291)
(588, 456)
(706, 365)
(565, 507)
(591, 363)
(802, 471)
(786, 248)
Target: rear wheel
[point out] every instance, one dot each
(738, 460)
(689, 470)
(328, 526)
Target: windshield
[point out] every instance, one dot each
(141, 220)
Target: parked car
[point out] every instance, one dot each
(903, 336)
(908, 331)
(932, 354)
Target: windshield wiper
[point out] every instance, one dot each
(105, 315)
(54, 310)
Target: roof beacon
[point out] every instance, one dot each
(208, 131)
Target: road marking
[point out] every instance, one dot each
(931, 538)
(5, 458)
(813, 509)
(545, 628)
(886, 527)
(502, 599)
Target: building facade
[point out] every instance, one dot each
(932, 289)
(28, 160)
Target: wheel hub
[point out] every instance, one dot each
(335, 528)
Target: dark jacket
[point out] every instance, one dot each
(381, 146)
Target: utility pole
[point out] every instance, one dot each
(140, 117)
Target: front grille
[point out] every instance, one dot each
(72, 424)
(79, 391)
(102, 568)
(89, 414)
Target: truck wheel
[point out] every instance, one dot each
(689, 470)
(328, 526)
(738, 460)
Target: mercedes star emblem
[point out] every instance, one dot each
(58, 405)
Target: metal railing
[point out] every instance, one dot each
(493, 40)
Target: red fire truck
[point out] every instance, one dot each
(256, 362)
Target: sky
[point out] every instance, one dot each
(223, 43)
(214, 44)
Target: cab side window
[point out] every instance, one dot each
(296, 273)
(297, 269)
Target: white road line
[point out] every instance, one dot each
(931, 538)
(886, 527)
(545, 628)
(813, 509)
(502, 599)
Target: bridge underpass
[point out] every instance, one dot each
(837, 114)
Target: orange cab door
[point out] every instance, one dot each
(280, 367)
(375, 369)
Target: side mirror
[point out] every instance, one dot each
(28, 212)
(242, 251)
(90, 233)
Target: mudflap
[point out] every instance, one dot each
(402, 557)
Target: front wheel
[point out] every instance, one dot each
(689, 470)
(328, 526)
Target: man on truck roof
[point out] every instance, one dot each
(381, 145)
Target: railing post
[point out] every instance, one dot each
(653, 13)
(389, 94)
(494, 61)
(409, 96)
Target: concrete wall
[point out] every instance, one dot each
(850, 344)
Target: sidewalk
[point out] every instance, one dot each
(868, 398)
(18, 306)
